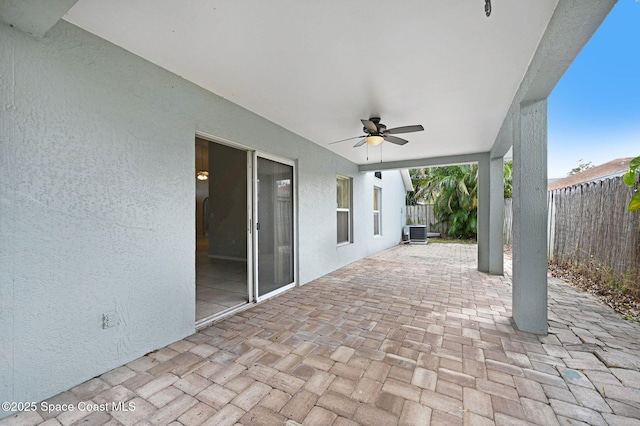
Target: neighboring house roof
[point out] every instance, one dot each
(603, 171)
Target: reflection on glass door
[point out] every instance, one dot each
(275, 226)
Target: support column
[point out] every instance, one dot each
(484, 213)
(496, 218)
(530, 218)
(490, 214)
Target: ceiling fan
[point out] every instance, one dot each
(376, 133)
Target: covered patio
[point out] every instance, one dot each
(412, 335)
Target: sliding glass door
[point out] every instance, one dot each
(275, 266)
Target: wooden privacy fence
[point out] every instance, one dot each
(507, 229)
(422, 214)
(591, 224)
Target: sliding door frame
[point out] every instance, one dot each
(294, 221)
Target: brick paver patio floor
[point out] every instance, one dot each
(413, 335)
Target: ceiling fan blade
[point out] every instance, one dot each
(370, 126)
(348, 139)
(404, 129)
(395, 139)
(360, 143)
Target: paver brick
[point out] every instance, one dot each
(156, 385)
(613, 419)
(377, 371)
(285, 382)
(142, 364)
(423, 378)
(629, 378)
(26, 418)
(545, 378)
(456, 377)
(227, 416)
(118, 375)
(498, 389)
(444, 418)
(319, 416)
(143, 410)
(204, 350)
(449, 389)
(89, 389)
(93, 419)
(249, 397)
(165, 396)
(343, 386)
(115, 394)
(473, 419)
(197, 414)
(227, 373)
(240, 382)
(216, 396)
(415, 414)
(368, 415)
(343, 354)
(173, 410)
(288, 362)
(389, 402)
(402, 389)
(507, 406)
(401, 374)
(319, 382)
(590, 398)
(192, 384)
(367, 390)
(576, 412)
(538, 412)
(346, 371)
(261, 416)
(71, 417)
(440, 402)
(299, 406)
(319, 362)
(275, 400)
(337, 403)
(530, 389)
(477, 402)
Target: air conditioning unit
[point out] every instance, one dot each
(415, 233)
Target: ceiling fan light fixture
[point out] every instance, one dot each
(202, 175)
(374, 140)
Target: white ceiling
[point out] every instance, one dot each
(318, 67)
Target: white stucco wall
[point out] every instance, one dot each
(97, 195)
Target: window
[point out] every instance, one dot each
(377, 217)
(344, 209)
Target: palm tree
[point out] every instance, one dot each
(508, 179)
(454, 192)
(456, 202)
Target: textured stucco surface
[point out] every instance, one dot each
(97, 205)
(530, 219)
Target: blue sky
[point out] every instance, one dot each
(594, 111)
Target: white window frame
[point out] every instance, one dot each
(348, 210)
(377, 220)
